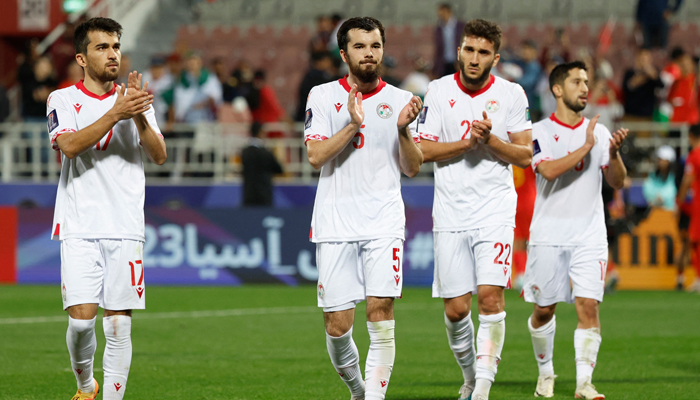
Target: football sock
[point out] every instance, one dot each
(586, 345)
(489, 344)
(380, 359)
(543, 344)
(460, 335)
(346, 360)
(81, 341)
(117, 356)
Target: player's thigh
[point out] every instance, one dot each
(340, 281)
(493, 253)
(588, 267)
(382, 261)
(124, 283)
(81, 272)
(454, 273)
(546, 279)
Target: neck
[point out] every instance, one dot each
(472, 87)
(97, 87)
(361, 86)
(567, 115)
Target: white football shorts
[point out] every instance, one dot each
(561, 273)
(108, 272)
(467, 259)
(348, 272)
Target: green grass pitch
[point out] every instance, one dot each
(267, 342)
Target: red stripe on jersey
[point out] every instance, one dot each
(555, 119)
(427, 136)
(416, 139)
(314, 137)
(344, 83)
(83, 89)
(539, 162)
(106, 141)
(474, 93)
(58, 230)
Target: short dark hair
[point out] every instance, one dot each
(81, 39)
(677, 53)
(445, 6)
(561, 72)
(483, 29)
(367, 24)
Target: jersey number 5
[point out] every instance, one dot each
(358, 144)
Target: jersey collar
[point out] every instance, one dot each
(83, 89)
(555, 119)
(474, 93)
(344, 83)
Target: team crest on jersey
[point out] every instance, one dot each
(384, 110)
(308, 118)
(423, 114)
(536, 293)
(52, 120)
(321, 291)
(492, 105)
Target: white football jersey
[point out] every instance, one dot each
(359, 191)
(475, 189)
(569, 210)
(101, 192)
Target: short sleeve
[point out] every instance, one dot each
(59, 118)
(604, 138)
(316, 124)
(430, 121)
(518, 119)
(540, 147)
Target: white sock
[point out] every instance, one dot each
(117, 358)
(586, 345)
(346, 360)
(380, 359)
(489, 344)
(543, 344)
(81, 341)
(460, 336)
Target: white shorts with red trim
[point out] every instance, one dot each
(348, 272)
(108, 272)
(467, 259)
(561, 273)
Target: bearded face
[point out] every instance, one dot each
(366, 71)
(364, 54)
(474, 78)
(103, 56)
(476, 57)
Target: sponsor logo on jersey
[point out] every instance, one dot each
(384, 110)
(527, 113)
(556, 138)
(423, 114)
(52, 120)
(492, 106)
(77, 107)
(139, 291)
(536, 148)
(308, 118)
(452, 103)
(338, 106)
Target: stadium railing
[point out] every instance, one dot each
(211, 152)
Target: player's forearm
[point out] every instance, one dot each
(435, 151)
(322, 151)
(72, 144)
(512, 153)
(616, 172)
(553, 169)
(152, 143)
(410, 156)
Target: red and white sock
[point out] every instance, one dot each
(543, 344)
(489, 344)
(380, 359)
(81, 341)
(117, 358)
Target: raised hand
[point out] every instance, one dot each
(357, 112)
(129, 105)
(590, 131)
(482, 129)
(134, 81)
(617, 138)
(410, 112)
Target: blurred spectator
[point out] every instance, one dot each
(448, 32)
(269, 108)
(336, 21)
(259, 165)
(159, 81)
(387, 71)
(603, 96)
(25, 71)
(38, 87)
(174, 64)
(683, 94)
(62, 52)
(196, 94)
(224, 75)
(319, 41)
(660, 186)
(74, 74)
(639, 86)
(4, 104)
(242, 82)
(532, 71)
(318, 74)
(672, 70)
(548, 104)
(557, 46)
(124, 69)
(653, 17)
(417, 81)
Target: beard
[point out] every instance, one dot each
(365, 75)
(478, 81)
(102, 74)
(574, 105)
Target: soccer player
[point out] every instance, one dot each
(100, 129)
(568, 240)
(357, 132)
(474, 126)
(690, 180)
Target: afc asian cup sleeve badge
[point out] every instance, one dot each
(492, 106)
(384, 110)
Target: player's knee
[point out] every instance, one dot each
(543, 315)
(456, 312)
(337, 329)
(491, 302)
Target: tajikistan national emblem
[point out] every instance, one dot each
(384, 110)
(492, 106)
